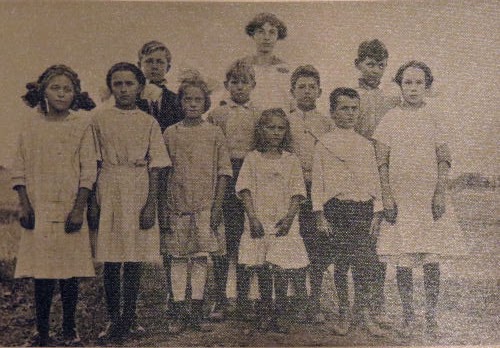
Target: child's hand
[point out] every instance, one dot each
(256, 228)
(284, 226)
(390, 210)
(74, 221)
(215, 218)
(438, 205)
(148, 216)
(27, 217)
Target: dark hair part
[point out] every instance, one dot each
(124, 66)
(240, 69)
(415, 64)
(262, 18)
(260, 143)
(152, 46)
(36, 90)
(337, 92)
(198, 83)
(304, 71)
(374, 49)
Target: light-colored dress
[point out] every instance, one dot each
(272, 183)
(53, 160)
(413, 136)
(130, 143)
(199, 156)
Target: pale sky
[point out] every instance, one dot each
(457, 39)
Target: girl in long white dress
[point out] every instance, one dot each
(53, 172)
(414, 161)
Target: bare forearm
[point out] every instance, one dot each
(81, 199)
(220, 191)
(294, 207)
(246, 197)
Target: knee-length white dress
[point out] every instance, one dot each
(53, 160)
(413, 136)
(272, 183)
(129, 144)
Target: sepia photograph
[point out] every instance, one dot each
(249, 173)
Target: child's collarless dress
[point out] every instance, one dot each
(53, 160)
(272, 183)
(130, 144)
(199, 156)
(413, 136)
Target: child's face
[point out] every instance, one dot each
(347, 112)
(125, 89)
(274, 131)
(155, 66)
(413, 86)
(60, 93)
(305, 92)
(372, 70)
(193, 102)
(240, 88)
(265, 38)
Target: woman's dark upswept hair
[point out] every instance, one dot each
(142, 104)
(260, 143)
(36, 90)
(262, 18)
(418, 65)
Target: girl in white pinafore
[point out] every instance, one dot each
(414, 160)
(132, 152)
(271, 186)
(53, 172)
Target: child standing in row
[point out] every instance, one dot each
(345, 195)
(53, 186)
(155, 62)
(237, 118)
(271, 187)
(131, 152)
(414, 161)
(374, 104)
(307, 125)
(195, 194)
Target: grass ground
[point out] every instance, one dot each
(468, 308)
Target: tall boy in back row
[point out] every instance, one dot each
(374, 104)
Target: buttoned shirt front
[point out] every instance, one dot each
(238, 124)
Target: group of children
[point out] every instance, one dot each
(279, 194)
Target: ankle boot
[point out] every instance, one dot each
(196, 320)
(178, 321)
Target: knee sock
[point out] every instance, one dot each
(360, 276)
(340, 278)
(44, 289)
(404, 278)
(132, 272)
(198, 277)
(265, 278)
(242, 283)
(69, 296)
(316, 279)
(112, 286)
(179, 275)
(431, 284)
(377, 291)
(221, 268)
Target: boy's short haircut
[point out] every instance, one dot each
(152, 46)
(240, 69)
(337, 92)
(304, 71)
(374, 49)
(415, 64)
(263, 18)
